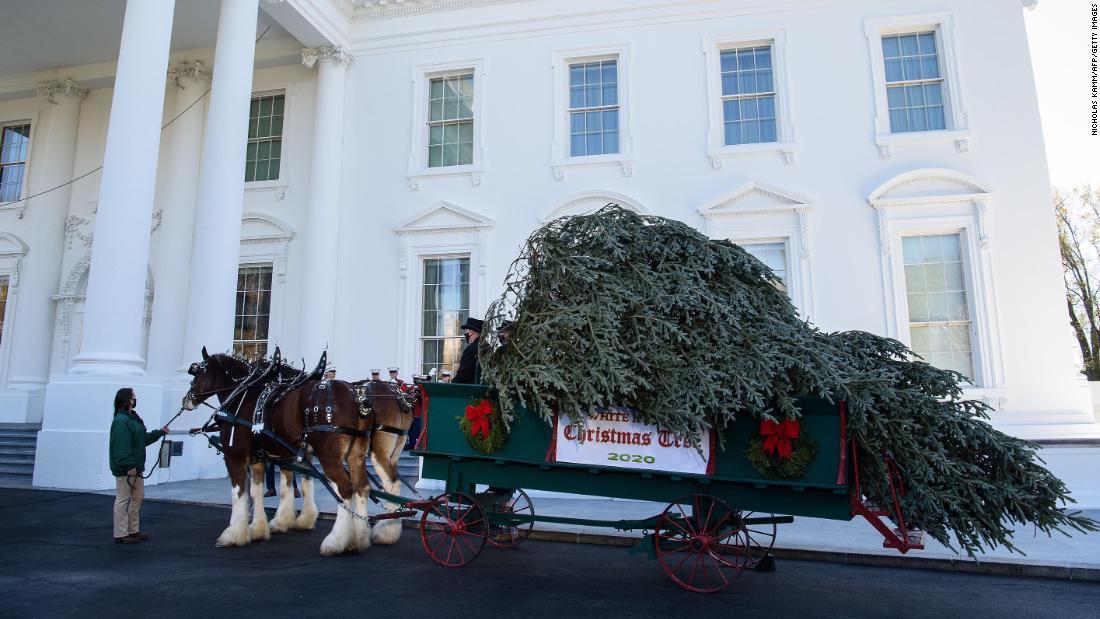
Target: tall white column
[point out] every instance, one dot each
(177, 191)
(113, 312)
(318, 308)
(54, 150)
(216, 249)
(72, 449)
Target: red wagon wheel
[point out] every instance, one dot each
(453, 529)
(505, 536)
(759, 537)
(700, 543)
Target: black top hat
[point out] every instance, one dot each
(473, 324)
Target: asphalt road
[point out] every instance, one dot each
(58, 560)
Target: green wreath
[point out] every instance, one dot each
(483, 426)
(781, 450)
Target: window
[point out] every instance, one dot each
(265, 138)
(748, 95)
(914, 83)
(14, 140)
(253, 318)
(451, 121)
(935, 287)
(917, 91)
(446, 305)
(774, 255)
(3, 304)
(594, 108)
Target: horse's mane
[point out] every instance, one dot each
(283, 369)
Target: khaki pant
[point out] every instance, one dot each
(128, 504)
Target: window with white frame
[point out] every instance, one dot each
(263, 156)
(253, 317)
(748, 95)
(774, 255)
(594, 108)
(3, 304)
(451, 120)
(917, 91)
(914, 82)
(445, 307)
(14, 142)
(936, 293)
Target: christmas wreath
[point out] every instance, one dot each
(781, 450)
(483, 426)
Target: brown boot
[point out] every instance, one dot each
(126, 540)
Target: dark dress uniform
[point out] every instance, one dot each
(467, 372)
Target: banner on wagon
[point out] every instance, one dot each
(613, 438)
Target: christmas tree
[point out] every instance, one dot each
(621, 309)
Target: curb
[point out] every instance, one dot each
(956, 566)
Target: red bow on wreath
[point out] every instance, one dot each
(479, 418)
(778, 436)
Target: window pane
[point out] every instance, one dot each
(774, 256)
(3, 304)
(939, 316)
(593, 87)
(446, 306)
(253, 317)
(915, 90)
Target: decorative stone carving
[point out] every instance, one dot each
(194, 70)
(884, 151)
(982, 209)
(61, 88)
(73, 231)
(962, 145)
(326, 53)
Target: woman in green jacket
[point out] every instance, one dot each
(128, 442)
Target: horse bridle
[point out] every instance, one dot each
(201, 368)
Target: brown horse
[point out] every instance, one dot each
(318, 418)
(220, 375)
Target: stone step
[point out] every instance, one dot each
(17, 443)
(21, 471)
(19, 435)
(16, 460)
(15, 481)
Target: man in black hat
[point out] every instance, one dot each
(467, 365)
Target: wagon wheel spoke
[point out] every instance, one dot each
(452, 529)
(690, 548)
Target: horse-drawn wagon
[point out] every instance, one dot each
(719, 520)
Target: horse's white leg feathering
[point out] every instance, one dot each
(284, 515)
(307, 518)
(236, 534)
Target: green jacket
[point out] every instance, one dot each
(128, 441)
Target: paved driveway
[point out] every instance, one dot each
(59, 560)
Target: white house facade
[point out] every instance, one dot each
(358, 175)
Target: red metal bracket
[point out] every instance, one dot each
(900, 538)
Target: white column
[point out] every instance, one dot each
(54, 149)
(216, 250)
(323, 215)
(72, 449)
(177, 191)
(113, 312)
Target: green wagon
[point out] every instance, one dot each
(717, 523)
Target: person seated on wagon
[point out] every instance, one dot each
(375, 374)
(468, 369)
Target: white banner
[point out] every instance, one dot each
(613, 438)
